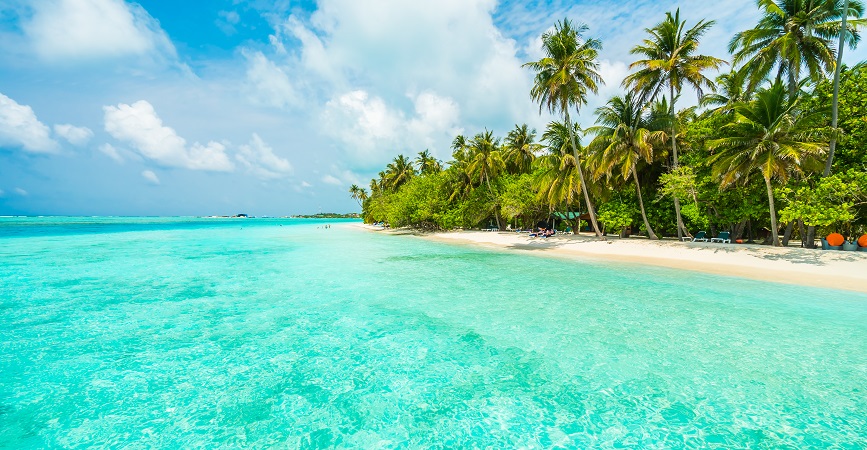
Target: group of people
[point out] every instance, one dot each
(543, 232)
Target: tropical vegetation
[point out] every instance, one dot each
(775, 149)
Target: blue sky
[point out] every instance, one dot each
(274, 107)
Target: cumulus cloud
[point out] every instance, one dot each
(140, 126)
(267, 84)
(371, 130)
(150, 176)
(19, 127)
(110, 151)
(226, 21)
(390, 75)
(330, 179)
(78, 136)
(21, 192)
(93, 29)
(259, 159)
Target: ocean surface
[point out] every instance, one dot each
(258, 333)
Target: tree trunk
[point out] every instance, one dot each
(788, 233)
(496, 204)
(751, 234)
(801, 232)
(835, 98)
(809, 240)
(581, 178)
(650, 232)
(738, 231)
(681, 229)
(774, 236)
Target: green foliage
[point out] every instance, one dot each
(679, 183)
(519, 199)
(851, 150)
(837, 200)
(616, 214)
(693, 217)
(724, 155)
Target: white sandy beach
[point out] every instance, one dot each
(827, 269)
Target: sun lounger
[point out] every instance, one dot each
(723, 238)
(701, 236)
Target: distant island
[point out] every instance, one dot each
(296, 216)
(327, 216)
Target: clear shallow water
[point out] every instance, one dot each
(179, 333)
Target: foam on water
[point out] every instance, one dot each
(178, 333)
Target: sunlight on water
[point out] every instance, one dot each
(179, 333)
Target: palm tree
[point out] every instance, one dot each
(770, 136)
(793, 35)
(796, 34)
(670, 59)
(622, 141)
(486, 162)
(460, 184)
(853, 39)
(427, 164)
(558, 180)
(358, 194)
(733, 90)
(398, 172)
(564, 78)
(520, 148)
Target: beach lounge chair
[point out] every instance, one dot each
(701, 236)
(722, 238)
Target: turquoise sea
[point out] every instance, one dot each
(259, 333)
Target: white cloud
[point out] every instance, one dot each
(21, 192)
(78, 136)
(364, 123)
(260, 160)
(400, 76)
(329, 179)
(268, 84)
(150, 176)
(92, 29)
(110, 151)
(371, 131)
(305, 184)
(19, 127)
(139, 125)
(226, 22)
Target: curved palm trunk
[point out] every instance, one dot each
(650, 232)
(834, 100)
(681, 229)
(581, 177)
(774, 235)
(496, 204)
(809, 239)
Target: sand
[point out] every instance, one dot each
(808, 267)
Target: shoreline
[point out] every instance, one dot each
(788, 265)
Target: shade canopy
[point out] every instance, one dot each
(572, 215)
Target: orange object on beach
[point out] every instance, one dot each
(739, 241)
(835, 239)
(862, 241)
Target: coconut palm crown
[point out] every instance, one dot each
(670, 59)
(623, 141)
(771, 136)
(564, 78)
(793, 35)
